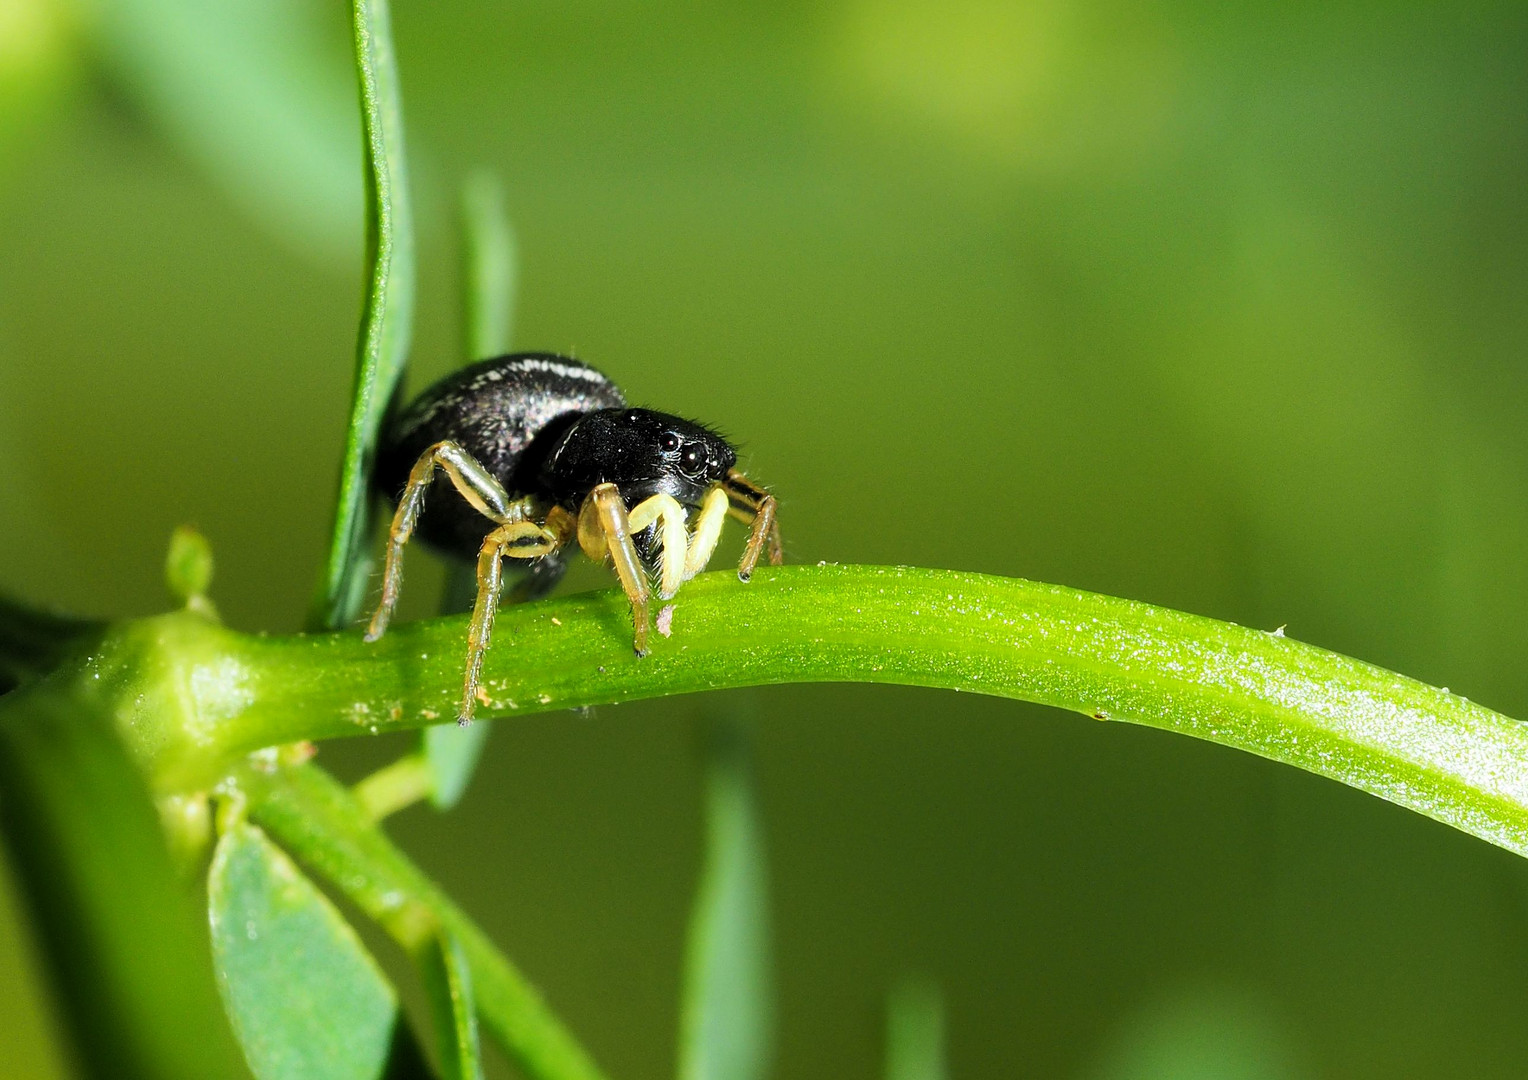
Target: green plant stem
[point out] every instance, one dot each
(194, 696)
(319, 822)
(394, 787)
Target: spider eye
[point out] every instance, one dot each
(693, 461)
(669, 442)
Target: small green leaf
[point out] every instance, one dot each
(386, 319)
(452, 752)
(915, 1032)
(448, 984)
(726, 1013)
(306, 999)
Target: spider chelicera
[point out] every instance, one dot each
(536, 450)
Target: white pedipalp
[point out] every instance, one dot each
(708, 530)
(672, 535)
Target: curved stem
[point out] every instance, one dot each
(321, 823)
(1412, 744)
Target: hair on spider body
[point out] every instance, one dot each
(508, 414)
(644, 453)
(520, 455)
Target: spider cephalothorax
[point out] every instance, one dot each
(538, 450)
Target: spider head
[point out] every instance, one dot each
(642, 452)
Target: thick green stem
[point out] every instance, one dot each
(199, 696)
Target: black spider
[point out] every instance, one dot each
(542, 450)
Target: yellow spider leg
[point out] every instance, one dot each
(518, 540)
(664, 509)
(606, 513)
(708, 530)
(471, 480)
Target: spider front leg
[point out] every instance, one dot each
(517, 540)
(604, 528)
(750, 503)
(472, 481)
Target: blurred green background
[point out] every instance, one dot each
(1217, 306)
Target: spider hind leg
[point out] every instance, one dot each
(517, 540)
(473, 482)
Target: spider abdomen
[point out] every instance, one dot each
(508, 413)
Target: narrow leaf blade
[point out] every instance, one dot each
(387, 316)
(306, 999)
(448, 984)
(915, 1032)
(726, 1013)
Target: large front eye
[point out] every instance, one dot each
(693, 461)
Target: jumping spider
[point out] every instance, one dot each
(542, 449)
